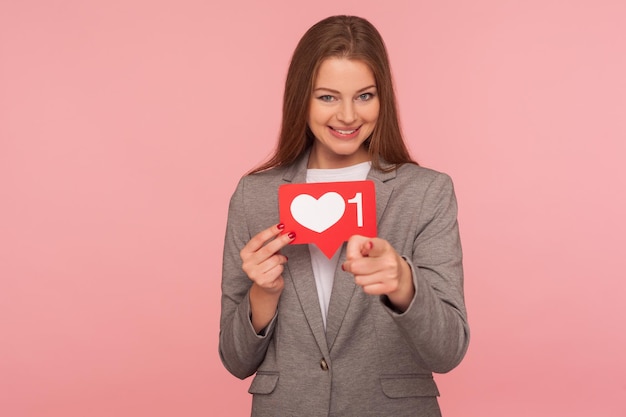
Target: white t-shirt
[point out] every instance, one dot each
(324, 268)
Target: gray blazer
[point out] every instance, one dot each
(371, 360)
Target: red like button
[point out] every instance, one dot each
(328, 213)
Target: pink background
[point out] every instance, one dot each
(125, 125)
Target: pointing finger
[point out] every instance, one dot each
(357, 247)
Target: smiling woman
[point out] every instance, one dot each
(359, 331)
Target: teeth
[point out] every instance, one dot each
(346, 132)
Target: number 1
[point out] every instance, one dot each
(358, 200)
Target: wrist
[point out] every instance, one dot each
(401, 298)
(263, 306)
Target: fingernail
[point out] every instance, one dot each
(342, 267)
(292, 235)
(280, 226)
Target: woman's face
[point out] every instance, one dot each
(343, 113)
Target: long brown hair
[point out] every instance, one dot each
(348, 37)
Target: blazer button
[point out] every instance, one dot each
(323, 365)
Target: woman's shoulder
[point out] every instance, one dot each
(256, 182)
(414, 172)
(272, 174)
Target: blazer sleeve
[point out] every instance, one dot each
(241, 349)
(435, 324)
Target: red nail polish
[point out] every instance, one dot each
(292, 235)
(280, 226)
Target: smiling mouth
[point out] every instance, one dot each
(345, 132)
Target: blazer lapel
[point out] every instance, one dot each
(343, 285)
(343, 289)
(300, 271)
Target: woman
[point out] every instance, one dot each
(359, 334)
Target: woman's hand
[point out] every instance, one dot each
(263, 263)
(379, 270)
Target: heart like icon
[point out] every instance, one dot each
(318, 214)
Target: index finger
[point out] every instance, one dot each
(262, 237)
(357, 247)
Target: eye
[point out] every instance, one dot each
(326, 98)
(365, 96)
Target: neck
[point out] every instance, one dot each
(317, 161)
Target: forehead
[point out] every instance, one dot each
(344, 74)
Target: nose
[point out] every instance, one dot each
(347, 112)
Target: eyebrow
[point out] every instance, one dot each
(338, 92)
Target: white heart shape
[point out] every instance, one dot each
(318, 214)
